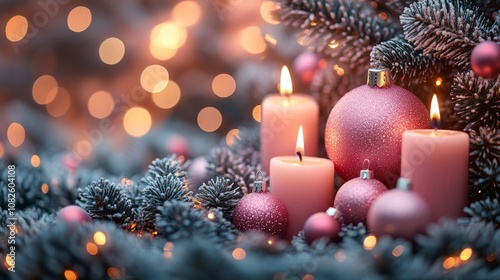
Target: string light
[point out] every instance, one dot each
(92, 248)
(99, 238)
(45, 188)
(439, 81)
(211, 216)
(70, 275)
(370, 242)
(35, 161)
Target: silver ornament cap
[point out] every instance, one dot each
(403, 184)
(259, 185)
(379, 77)
(366, 173)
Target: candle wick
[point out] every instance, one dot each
(435, 123)
(300, 156)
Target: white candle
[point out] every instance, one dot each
(282, 114)
(304, 184)
(437, 163)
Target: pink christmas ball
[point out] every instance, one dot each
(73, 214)
(321, 225)
(354, 198)
(305, 66)
(485, 59)
(261, 211)
(398, 213)
(368, 123)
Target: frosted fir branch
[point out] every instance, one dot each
(487, 210)
(344, 30)
(219, 193)
(104, 200)
(408, 66)
(446, 29)
(476, 100)
(168, 165)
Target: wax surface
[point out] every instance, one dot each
(305, 188)
(437, 163)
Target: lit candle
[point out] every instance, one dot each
(436, 161)
(281, 116)
(303, 183)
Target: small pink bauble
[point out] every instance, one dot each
(398, 213)
(354, 198)
(485, 59)
(73, 214)
(368, 123)
(321, 225)
(261, 211)
(305, 66)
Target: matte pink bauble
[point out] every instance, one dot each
(368, 123)
(261, 211)
(321, 225)
(73, 214)
(354, 198)
(305, 66)
(398, 213)
(485, 59)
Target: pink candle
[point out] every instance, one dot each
(437, 163)
(304, 184)
(282, 114)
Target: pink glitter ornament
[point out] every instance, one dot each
(485, 60)
(261, 211)
(368, 123)
(354, 198)
(322, 224)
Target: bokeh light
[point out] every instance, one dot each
(267, 7)
(99, 238)
(61, 103)
(256, 113)
(169, 35)
(114, 273)
(111, 51)
(370, 242)
(466, 254)
(2, 150)
(79, 19)
(83, 148)
(209, 119)
(101, 104)
(137, 122)
(45, 188)
(16, 134)
(223, 85)
(187, 13)
(16, 28)
(35, 161)
(162, 53)
(239, 254)
(252, 40)
(154, 78)
(233, 133)
(44, 89)
(70, 275)
(398, 250)
(92, 248)
(169, 97)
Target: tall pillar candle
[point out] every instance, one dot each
(304, 184)
(282, 114)
(437, 163)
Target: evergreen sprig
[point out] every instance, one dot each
(178, 220)
(168, 165)
(484, 144)
(343, 30)
(157, 192)
(486, 210)
(484, 179)
(105, 201)
(448, 30)
(219, 193)
(476, 100)
(61, 250)
(405, 62)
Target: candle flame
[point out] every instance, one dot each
(285, 82)
(299, 147)
(435, 116)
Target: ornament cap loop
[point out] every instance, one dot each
(379, 77)
(404, 184)
(333, 212)
(366, 173)
(259, 185)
